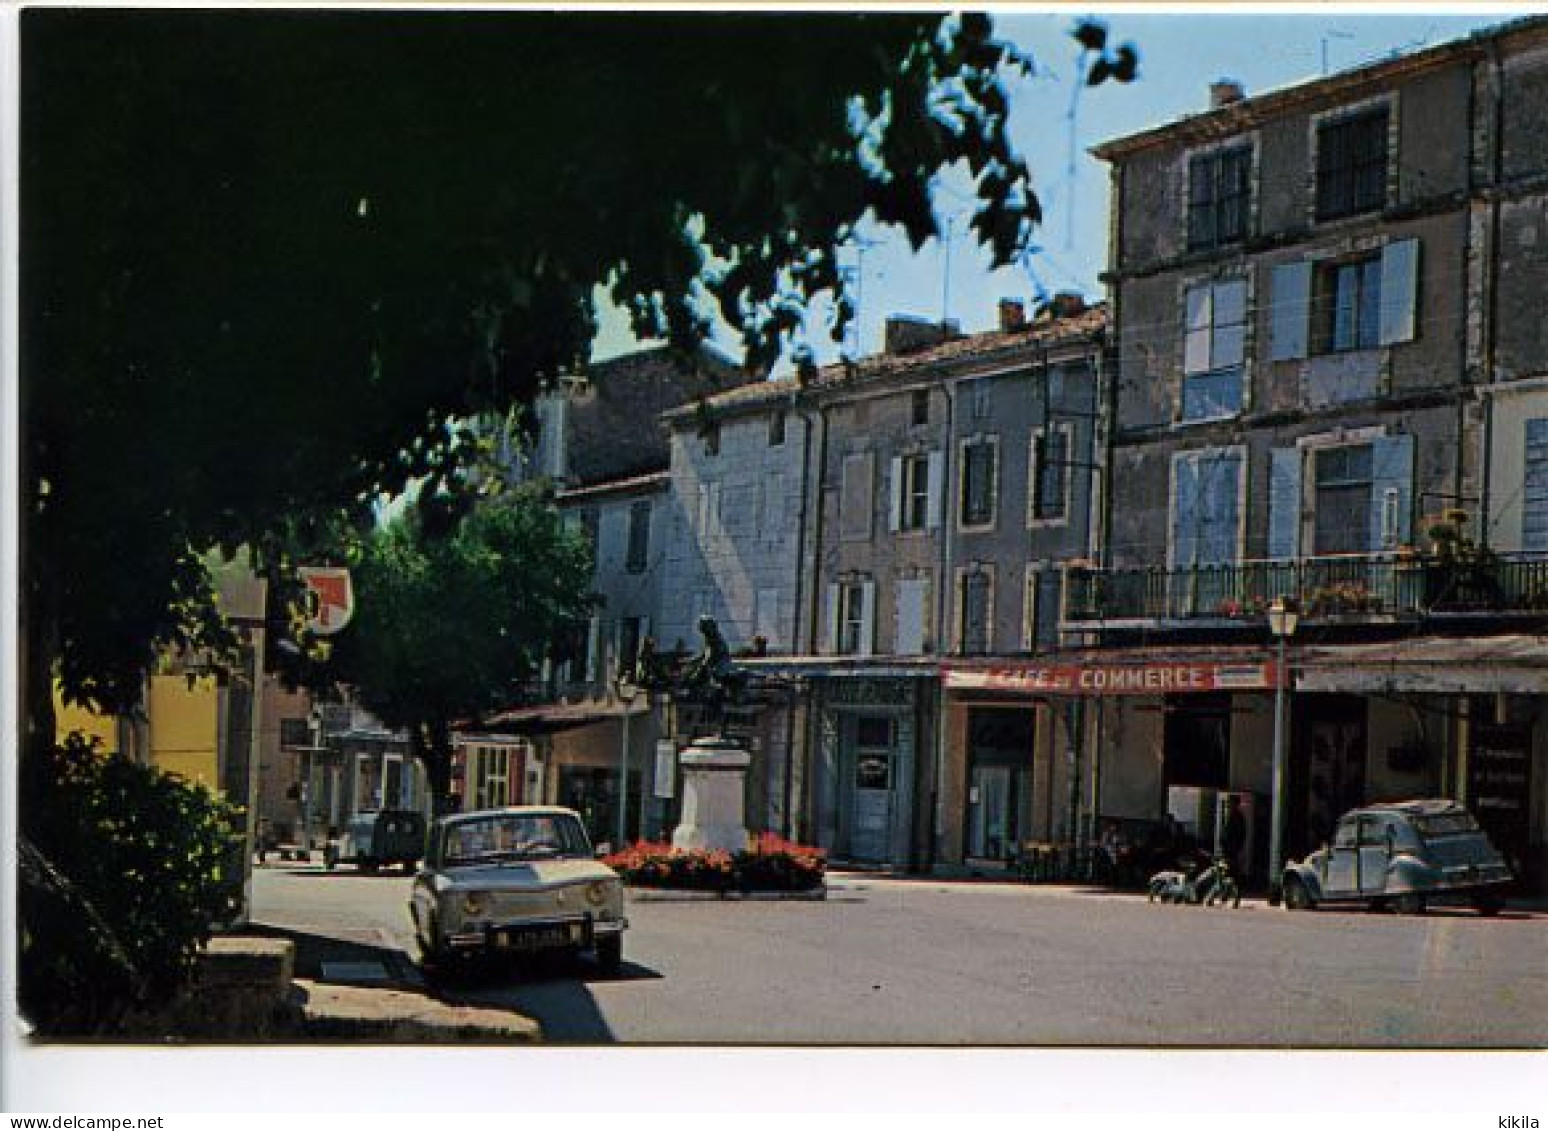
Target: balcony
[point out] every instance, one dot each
(1377, 587)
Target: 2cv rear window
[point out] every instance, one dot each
(1445, 824)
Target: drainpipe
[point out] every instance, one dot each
(948, 464)
(812, 492)
(1491, 286)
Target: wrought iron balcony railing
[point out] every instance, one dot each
(1376, 586)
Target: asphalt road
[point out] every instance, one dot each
(923, 962)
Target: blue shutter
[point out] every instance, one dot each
(1185, 511)
(1399, 291)
(1284, 540)
(1392, 470)
(1221, 490)
(1290, 330)
(1534, 500)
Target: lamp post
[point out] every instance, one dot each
(1282, 620)
(626, 693)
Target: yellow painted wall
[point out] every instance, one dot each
(184, 727)
(70, 717)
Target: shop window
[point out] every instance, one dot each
(1352, 164)
(1219, 187)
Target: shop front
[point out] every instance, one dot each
(1138, 748)
(869, 779)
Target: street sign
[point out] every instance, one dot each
(330, 599)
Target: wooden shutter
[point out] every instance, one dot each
(895, 495)
(936, 473)
(1534, 498)
(867, 618)
(908, 639)
(1284, 540)
(1392, 470)
(831, 619)
(1399, 291)
(1220, 479)
(1185, 511)
(1290, 329)
(1197, 329)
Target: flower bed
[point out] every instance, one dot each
(770, 863)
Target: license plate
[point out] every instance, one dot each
(540, 938)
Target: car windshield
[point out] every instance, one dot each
(515, 836)
(1445, 824)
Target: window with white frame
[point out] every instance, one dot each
(854, 618)
(1343, 495)
(1049, 475)
(976, 505)
(1214, 350)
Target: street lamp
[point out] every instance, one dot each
(1282, 618)
(626, 692)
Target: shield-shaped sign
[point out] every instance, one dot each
(330, 599)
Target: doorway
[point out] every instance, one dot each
(872, 771)
(999, 781)
(1329, 767)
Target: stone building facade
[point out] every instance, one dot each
(1317, 298)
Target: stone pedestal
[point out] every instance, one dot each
(714, 789)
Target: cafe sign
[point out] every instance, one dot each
(1112, 679)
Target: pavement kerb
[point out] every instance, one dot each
(330, 1012)
(681, 895)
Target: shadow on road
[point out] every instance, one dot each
(553, 991)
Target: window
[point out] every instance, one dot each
(1349, 304)
(916, 492)
(921, 406)
(853, 618)
(630, 632)
(976, 396)
(777, 429)
(978, 483)
(1534, 502)
(1218, 191)
(1214, 345)
(491, 777)
(711, 434)
(1346, 306)
(1352, 164)
(295, 732)
(1341, 518)
(977, 591)
(1050, 475)
(639, 536)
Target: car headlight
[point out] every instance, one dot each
(598, 891)
(475, 903)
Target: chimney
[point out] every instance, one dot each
(1068, 304)
(1223, 92)
(908, 334)
(1013, 315)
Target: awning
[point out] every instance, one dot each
(551, 718)
(1511, 665)
(841, 667)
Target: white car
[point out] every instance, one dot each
(515, 881)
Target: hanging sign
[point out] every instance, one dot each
(330, 599)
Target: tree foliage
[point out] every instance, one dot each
(449, 628)
(268, 255)
(122, 878)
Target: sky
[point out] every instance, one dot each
(1180, 55)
